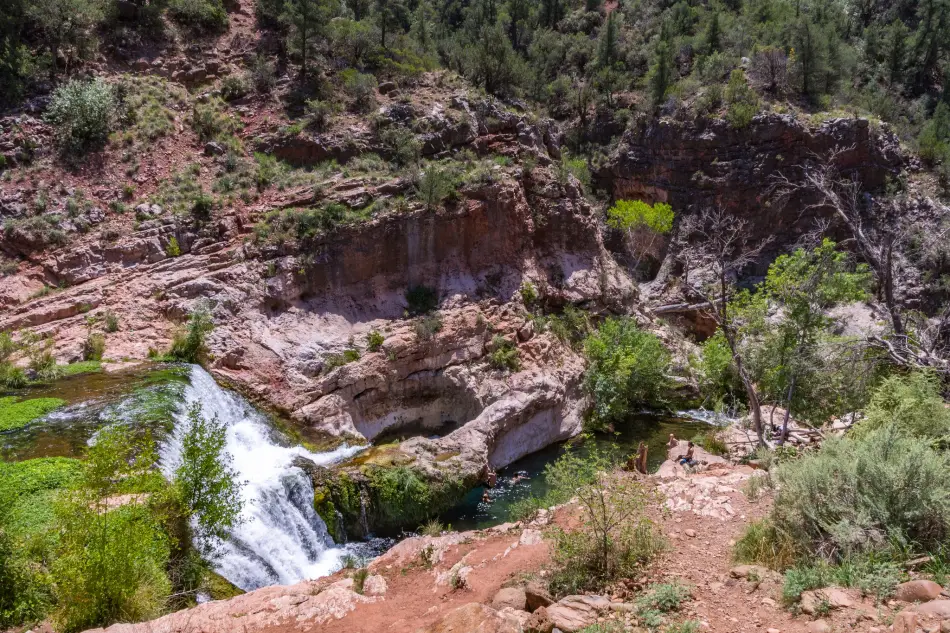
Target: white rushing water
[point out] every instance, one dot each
(281, 539)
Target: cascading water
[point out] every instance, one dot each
(281, 539)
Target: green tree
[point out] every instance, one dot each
(388, 13)
(811, 57)
(912, 404)
(607, 46)
(550, 13)
(642, 223)
(494, 64)
(742, 101)
(422, 26)
(895, 50)
(661, 73)
(67, 27)
(519, 15)
(112, 554)
(713, 36)
(205, 481)
(805, 285)
(308, 20)
(627, 369)
(931, 40)
(82, 113)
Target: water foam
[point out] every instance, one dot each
(281, 539)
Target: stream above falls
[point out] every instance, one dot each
(281, 539)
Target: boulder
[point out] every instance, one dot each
(374, 585)
(472, 618)
(575, 613)
(744, 571)
(539, 622)
(905, 622)
(513, 597)
(537, 596)
(918, 591)
(834, 597)
(934, 609)
(819, 626)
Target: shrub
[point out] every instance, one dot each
(374, 341)
(504, 355)
(529, 294)
(210, 121)
(94, 347)
(627, 368)
(663, 597)
(173, 249)
(434, 186)
(82, 114)
(743, 103)
(205, 16)
(111, 561)
(319, 114)
(877, 578)
(234, 87)
(712, 442)
(188, 344)
(617, 540)
(865, 495)
(361, 88)
(761, 543)
(263, 74)
(332, 361)
(111, 321)
(911, 403)
(38, 231)
(427, 326)
(402, 144)
(421, 300)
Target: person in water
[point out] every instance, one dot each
(687, 459)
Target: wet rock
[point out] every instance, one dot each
(918, 591)
(513, 597)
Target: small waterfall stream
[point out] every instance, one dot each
(281, 539)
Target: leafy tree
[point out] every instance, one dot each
(912, 404)
(67, 26)
(642, 223)
(422, 26)
(388, 12)
(551, 12)
(806, 285)
(931, 40)
(112, 557)
(494, 64)
(205, 481)
(627, 369)
(519, 14)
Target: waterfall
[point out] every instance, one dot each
(281, 539)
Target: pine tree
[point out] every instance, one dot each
(607, 48)
(661, 73)
(895, 46)
(519, 12)
(931, 40)
(713, 39)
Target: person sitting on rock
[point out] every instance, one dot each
(673, 443)
(687, 459)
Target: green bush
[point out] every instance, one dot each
(427, 326)
(374, 341)
(38, 231)
(616, 539)
(188, 344)
(712, 442)
(211, 122)
(741, 99)
(762, 544)
(627, 369)
(94, 347)
(911, 403)
(504, 355)
(434, 186)
(853, 496)
(203, 16)
(332, 361)
(361, 88)
(320, 114)
(110, 562)
(875, 577)
(82, 114)
(402, 144)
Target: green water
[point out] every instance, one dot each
(144, 396)
(525, 477)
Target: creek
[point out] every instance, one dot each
(280, 539)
